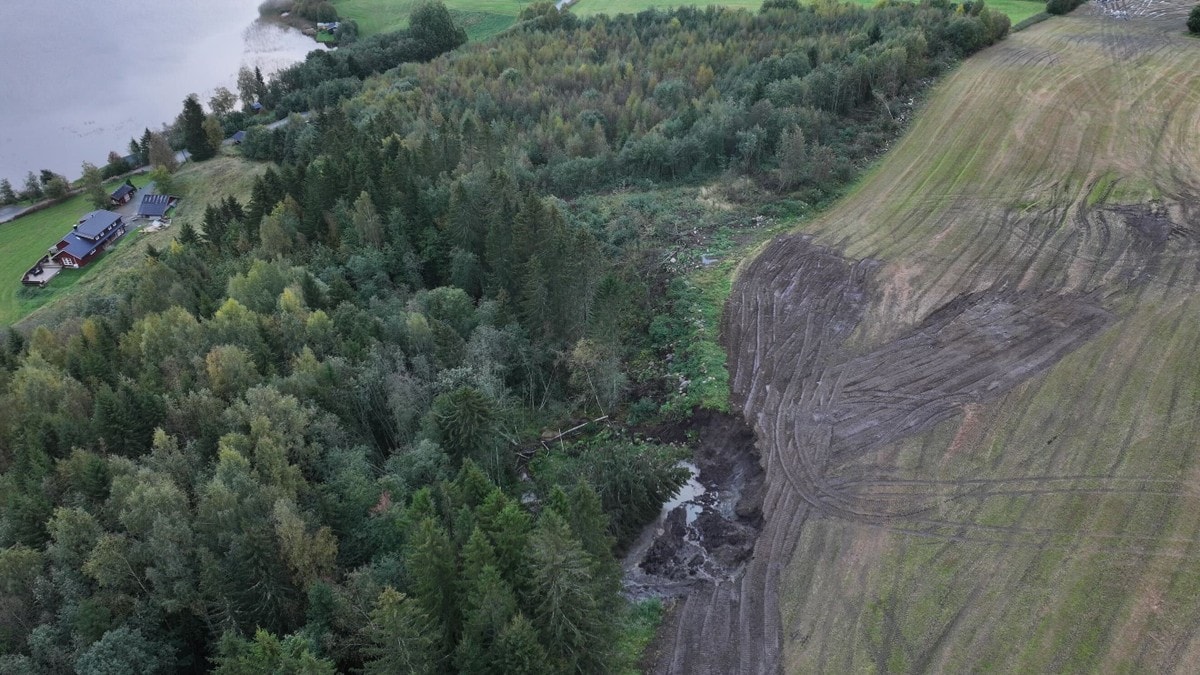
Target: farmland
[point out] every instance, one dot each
(975, 381)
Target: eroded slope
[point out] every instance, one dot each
(975, 387)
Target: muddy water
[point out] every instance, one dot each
(78, 78)
(705, 533)
(686, 497)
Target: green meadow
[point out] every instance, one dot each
(481, 18)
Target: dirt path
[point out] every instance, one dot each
(1029, 254)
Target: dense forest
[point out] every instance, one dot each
(304, 437)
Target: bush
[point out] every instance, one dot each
(1193, 22)
(1062, 6)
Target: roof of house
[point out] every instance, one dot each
(155, 206)
(95, 223)
(125, 189)
(239, 137)
(79, 247)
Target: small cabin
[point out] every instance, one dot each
(123, 194)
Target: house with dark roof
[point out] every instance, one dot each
(123, 194)
(156, 206)
(238, 137)
(88, 238)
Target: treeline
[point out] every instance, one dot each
(296, 439)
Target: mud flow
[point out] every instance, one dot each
(821, 409)
(707, 532)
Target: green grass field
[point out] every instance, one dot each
(485, 18)
(25, 240)
(481, 18)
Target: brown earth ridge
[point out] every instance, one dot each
(974, 383)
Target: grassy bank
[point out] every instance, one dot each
(485, 18)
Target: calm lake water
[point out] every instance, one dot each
(78, 78)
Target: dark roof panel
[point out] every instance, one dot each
(95, 223)
(239, 137)
(120, 192)
(79, 247)
(154, 205)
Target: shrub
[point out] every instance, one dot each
(1062, 6)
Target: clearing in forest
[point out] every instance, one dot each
(976, 381)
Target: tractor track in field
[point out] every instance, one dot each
(925, 302)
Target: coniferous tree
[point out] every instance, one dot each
(569, 613)
(518, 652)
(399, 638)
(431, 564)
(195, 139)
(7, 194)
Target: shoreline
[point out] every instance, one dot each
(141, 94)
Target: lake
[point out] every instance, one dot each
(79, 78)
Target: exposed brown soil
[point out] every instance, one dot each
(985, 274)
(708, 538)
(820, 407)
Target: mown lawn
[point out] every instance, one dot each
(25, 240)
(481, 18)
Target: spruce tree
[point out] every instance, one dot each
(431, 565)
(195, 138)
(7, 194)
(517, 650)
(570, 617)
(398, 637)
(487, 605)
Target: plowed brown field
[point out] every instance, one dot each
(975, 383)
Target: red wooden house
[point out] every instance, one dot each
(88, 238)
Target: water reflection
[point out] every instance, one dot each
(79, 78)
